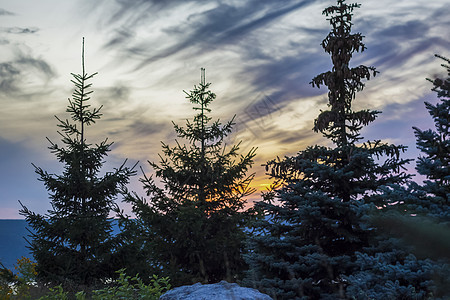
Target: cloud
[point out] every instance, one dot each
(113, 97)
(135, 129)
(260, 56)
(119, 92)
(24, 75)
(400, 35)
(396, 45)
(288, 77)
(4, 12)
(395, 124)
(121, 37)
(39, 64)
(218, 31)
(262, 44)
(225, 22)
(133, 11)
(144, 129)
(194, 31)
(259, 111)
(246, 31)
(20, 30)
(9, 74)
(409, 30)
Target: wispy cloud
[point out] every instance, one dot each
(260, 56)
(247, 40)
(196, 30)
(20, 30)
(9, 77)
(23, 75)
(4, 12)
(246, 35)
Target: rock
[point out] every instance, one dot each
(218, 291)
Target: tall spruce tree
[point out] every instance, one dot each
(315, 225)
(416, 226)
(435, 146)
(194, 226)
(73, 243)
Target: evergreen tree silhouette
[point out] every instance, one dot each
(416, 226)
(316, 226)
(194, 226)
(435, 146)
(73, 243)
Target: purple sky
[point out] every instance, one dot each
(260, 56)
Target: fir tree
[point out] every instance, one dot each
(419, 219)
(315, 229)
(73, 243)
(435, 145)
(194, 226)
(422, 218)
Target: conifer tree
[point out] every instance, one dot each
(416, 226)
(194, 225)
(315, 225)
(435, 145)
(73, 242)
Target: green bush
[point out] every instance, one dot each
(125, 287)
(133, 288)
(19, 284)
(57, 293)
(22, 285)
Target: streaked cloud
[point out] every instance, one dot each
(4, 12)
(259, 55)
(19, 30)
(24, 74)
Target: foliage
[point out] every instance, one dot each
(73, 242)
(58, 293)
(316, 241)
(23, 285)
(193, 227)
(399, 262)
(435, 146)
(124, 288)
(422, 217)
(26, 269)
(18, 283)
(6, 278)
(26, 275)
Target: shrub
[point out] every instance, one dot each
(19, 284)
(125, 287)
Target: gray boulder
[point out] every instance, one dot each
(218, 291)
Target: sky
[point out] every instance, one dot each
(259, 55)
